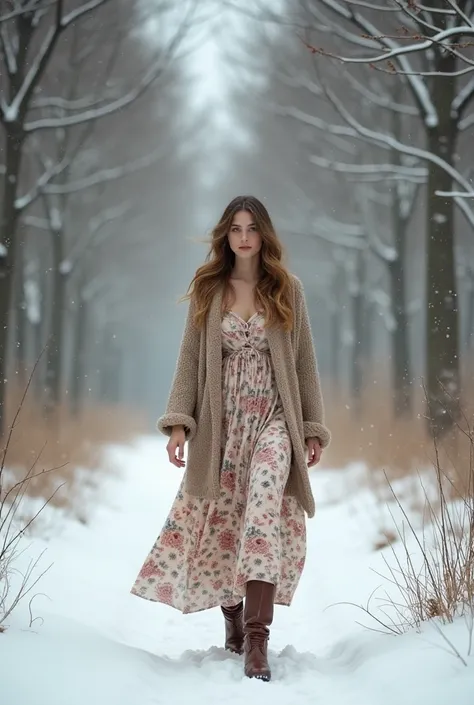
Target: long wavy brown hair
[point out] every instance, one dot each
(273, 290)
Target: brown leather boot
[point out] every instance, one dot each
(234, 628)
(258, 616)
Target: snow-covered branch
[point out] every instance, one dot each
(381, 99)
(23, 202)
(59, 103)
(462, 100)
(416, 174)
(383, 140)
(150, 76)
(313, 121)
(25, 9)
(466, 123)
(455, 194)
(34, 221)
(8, 51)
(414, 48)
(105, 175)
(461, 14)
(81, 11)
(418, 86)
(389, 141)
(38, 65)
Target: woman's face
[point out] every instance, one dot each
(244, 239)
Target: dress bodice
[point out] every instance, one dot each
(238, 334)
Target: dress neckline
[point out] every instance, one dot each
(254, 315)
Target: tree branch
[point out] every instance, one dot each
(104, 175)
(399, 51)
(31, 6)
(418, 87)
(12, 111)
(112, 107)
(8, 51)
(462, 100)
(23, 202)
(418, 174)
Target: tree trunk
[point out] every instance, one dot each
(442, 344)
(21, 356)
(40, 330)
(336, 326)
(110, 368)
(79, 356)
(401, 373)
(55, 348)
(8, 225)
(470, 314)
(401, 368)
(358, 347)
(335, 322)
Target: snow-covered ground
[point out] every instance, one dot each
(92, 643)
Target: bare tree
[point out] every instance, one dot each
(424, 47)
(33, 43)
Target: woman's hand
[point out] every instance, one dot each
(175, 446)
(314, 451)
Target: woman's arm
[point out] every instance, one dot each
(181, 405)
(308, 375)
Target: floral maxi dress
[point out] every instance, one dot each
(209, 549)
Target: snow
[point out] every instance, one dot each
(65, 267)
(92, 642)
(10, 112)
(33, 301)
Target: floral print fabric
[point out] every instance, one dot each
(209, 549)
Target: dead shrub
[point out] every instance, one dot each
(432, 570)
(13, 527)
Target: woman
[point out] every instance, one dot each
(246, 396)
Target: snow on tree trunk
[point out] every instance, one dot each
(442, 345)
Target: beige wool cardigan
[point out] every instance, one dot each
(195, 399)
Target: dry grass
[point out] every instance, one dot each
(65, 443)
(431, 570)
(434, 575)
(393, 448)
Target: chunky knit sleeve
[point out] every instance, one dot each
(307, 371)
(183, 395)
